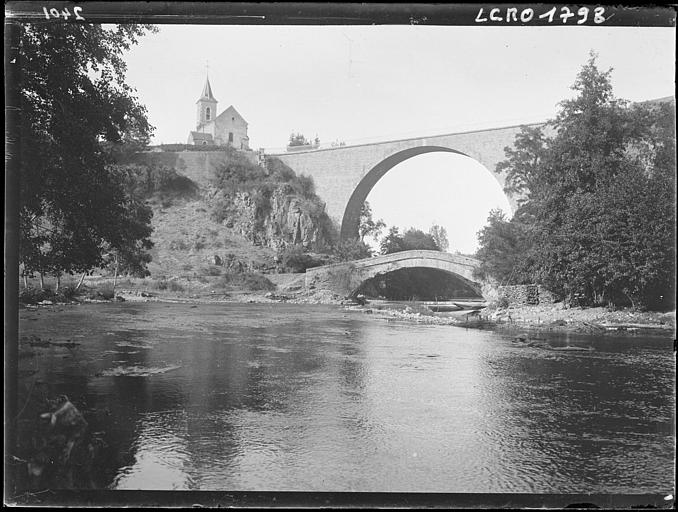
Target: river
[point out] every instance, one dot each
(316, 398)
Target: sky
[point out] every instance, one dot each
(359, 84)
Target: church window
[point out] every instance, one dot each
(230, 136)
(208, 113)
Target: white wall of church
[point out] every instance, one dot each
(231, 129)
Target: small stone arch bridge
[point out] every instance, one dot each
(345, 278)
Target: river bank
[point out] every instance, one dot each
(544, 318)
(551, 318)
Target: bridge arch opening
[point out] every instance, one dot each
(477, 181)
(418, 283)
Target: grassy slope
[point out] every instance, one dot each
(186, 240)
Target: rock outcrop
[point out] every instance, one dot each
(277, 221)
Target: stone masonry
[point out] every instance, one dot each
(344, 175)
(345, 278)
(525, 294)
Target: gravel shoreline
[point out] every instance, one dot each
(551, 317)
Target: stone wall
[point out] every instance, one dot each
(525, 294)
(196, 165)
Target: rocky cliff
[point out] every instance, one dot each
(234, 202)
(286, 219)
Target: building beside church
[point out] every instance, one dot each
(226, 129)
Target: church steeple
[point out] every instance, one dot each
(207, 104)
(207, 91)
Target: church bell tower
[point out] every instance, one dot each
(207, 105)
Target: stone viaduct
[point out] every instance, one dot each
(344, 175)
(345, 278)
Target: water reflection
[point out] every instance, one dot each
(286, 397)
(161, 454)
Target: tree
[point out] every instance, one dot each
(502, 251)
(368, 226)
(78, 117)
(298, 139)
(352, 249)
(597, 222)
(439, 235)
(415, 239)
(392, 242)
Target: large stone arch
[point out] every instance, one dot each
(340, 174)
(351, 218)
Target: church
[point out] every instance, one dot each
(226, 129)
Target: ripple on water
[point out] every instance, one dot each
(137, 371)
(297, 398)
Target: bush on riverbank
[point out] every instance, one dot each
(295, 260)
(163, 285)
(104, 291)
(245, 281)
(31, 295)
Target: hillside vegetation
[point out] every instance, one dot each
(270, 206)
(239, 221)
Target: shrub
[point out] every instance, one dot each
(238, 174)
(176, 287)
(213, 270)
(104, 291)
(248, 280)
(32, 295)
(352, 249)
(278, 170)
(178, 245)
(295, 260)
(66, 294)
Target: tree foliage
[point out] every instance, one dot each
(596, 223)
(439, 235)
(392, 242)
(368, 227)
(298, 139)
(411, 240)
(78, 117)
(352, 249)
(503, 246)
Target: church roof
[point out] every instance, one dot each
(231, 111)
(207, 91)
(201, 136)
